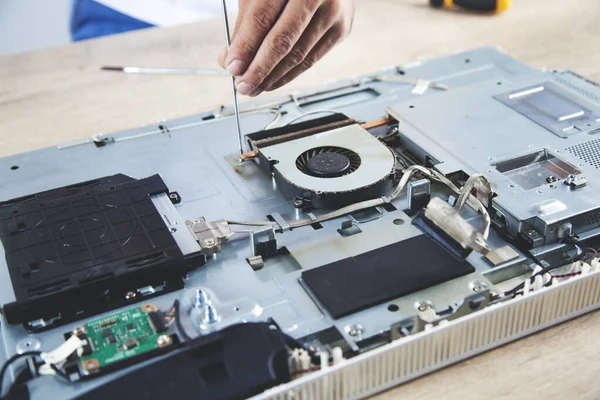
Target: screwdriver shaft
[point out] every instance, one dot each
(235, 96)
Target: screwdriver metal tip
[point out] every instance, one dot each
(235, 96)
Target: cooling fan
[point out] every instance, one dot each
(331, 168)
(328, 162)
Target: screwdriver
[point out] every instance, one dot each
(235, 96)
(495, 6)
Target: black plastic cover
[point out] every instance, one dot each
(369, 279)
(77, 250)
(235, 363)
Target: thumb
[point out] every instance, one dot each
(222, 57)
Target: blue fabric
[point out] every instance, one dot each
(91, 19)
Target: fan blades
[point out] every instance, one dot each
(328, 162)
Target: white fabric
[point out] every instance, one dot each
(170, 12)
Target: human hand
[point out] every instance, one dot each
(274, 41)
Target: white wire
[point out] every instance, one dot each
(408, 174)
(59, 355)
(471, 183)
(487, 221)
(276, 111)
(62, 352)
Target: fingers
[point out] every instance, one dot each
(243, 7)
(278, 43)
(255, 24)
(330, 39)
(314, 32)
(275, 41)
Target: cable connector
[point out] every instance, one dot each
(209, 234)
(447, 218)
(300, 361)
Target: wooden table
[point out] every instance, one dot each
(58, 95)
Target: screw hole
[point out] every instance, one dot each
(236, 309)
(398, 221)
(411, 106)
(173, 230)
(14, 167)
(393, 308)
(467, 60)
(499, 83)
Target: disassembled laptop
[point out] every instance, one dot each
(375, 230)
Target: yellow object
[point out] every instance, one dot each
(503, 5)
(474, 5)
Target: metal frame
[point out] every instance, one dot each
(197, 157)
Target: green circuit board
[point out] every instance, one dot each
(121, 337)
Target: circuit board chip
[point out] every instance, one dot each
(122, 337)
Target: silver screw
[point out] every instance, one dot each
(479, 286)
(163, 340)
(210, 315)
(79, 330)
(354, 330)
(532, 233)
(570, 179)
(130, 295)
(298, 203)
(201, 299)
(28, 344)
(210, 242)
(313, 348)
(424, 307)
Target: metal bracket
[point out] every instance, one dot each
(209, 235)
(418, 194)
(261, 247)
(576, 182)
(474, 302)
(370, 214)
(285, 227)
(256, 262)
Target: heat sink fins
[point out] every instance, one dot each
(414, 356)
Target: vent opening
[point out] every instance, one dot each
(588, 152)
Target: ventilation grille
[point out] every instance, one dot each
(588, 152)
(409, 358)
(579, 84)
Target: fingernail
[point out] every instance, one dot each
(236, 68)
(245, 88)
